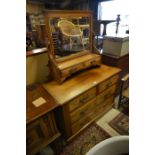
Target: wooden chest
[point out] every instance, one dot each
(83, 98)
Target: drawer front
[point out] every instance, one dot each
(82, 99)
(83, 111)
(73, 69)
(95, 112)
(106, 84)
(39, 131)
(93, 62)
(81, 123)
(103, 108)
(106, 94)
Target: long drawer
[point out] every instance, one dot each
(106, 94)
(82, 111)
(71, 70)
(82, 122)
(106, 84)
(95, 112)
(82, 99)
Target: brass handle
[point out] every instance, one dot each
(72, 70)
(109, 84)
(83, 100)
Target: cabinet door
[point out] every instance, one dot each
(40, 132)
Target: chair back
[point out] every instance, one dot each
(68, 28)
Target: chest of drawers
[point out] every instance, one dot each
(83, 98)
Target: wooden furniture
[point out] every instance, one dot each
(83, 98)
(66, 57)
(117, 61)
(40, 122)
(124, 91)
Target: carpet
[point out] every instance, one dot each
(88, 138)
(121, 124)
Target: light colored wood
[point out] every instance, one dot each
(63, 67)
(106, 94)
(79, 60)
(81, 101)
(80, 83)
(82, 111)
(108, 83)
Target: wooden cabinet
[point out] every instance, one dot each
(71, 45)
(83, 98)
(117, 61)
(40, 122)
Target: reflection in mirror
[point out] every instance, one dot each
(70, 35)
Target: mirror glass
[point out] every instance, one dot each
(70, 35)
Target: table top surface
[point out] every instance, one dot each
(34, 92)
(79, 83)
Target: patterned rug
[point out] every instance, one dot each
(81, 144)
(121, 124)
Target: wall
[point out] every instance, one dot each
(36, 68)
(34, 8)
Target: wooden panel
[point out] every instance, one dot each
(83, 111)
(78, 60)
(93, 62)
(40, 133)
(108, 83)
(104, 106)
(106, 94)
(69, 71)
(81, 123)
(34, 135)
(82, 99)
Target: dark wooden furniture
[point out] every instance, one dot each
(124, 92)
(117, 61)
(83, 98)
(66, 59)
(41, 129)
